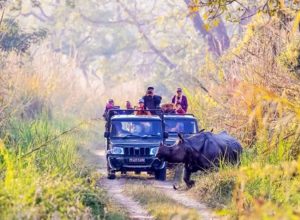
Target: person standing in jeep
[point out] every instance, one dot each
(152, 101)
(180, 99)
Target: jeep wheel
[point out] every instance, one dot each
(161, 174)
(110, 174)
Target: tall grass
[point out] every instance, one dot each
(47, 183)
(257, 101)
(41, 173)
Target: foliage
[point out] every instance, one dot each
(41, 173)
(257, 101)
(215, 188)
(14, 39)
(237, 11)
(290, 57)
(46, 183)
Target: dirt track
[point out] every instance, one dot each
(95, 155)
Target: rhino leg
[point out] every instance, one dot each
(187, 177)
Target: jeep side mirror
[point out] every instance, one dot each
(106, 134)
(166, 134)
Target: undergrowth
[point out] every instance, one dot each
(41, 174)
(257, 101)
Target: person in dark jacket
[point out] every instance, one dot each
(152, 101)
(181, 99)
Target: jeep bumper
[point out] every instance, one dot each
(118, 163)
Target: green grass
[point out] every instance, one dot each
(261, 188)
(50, 182)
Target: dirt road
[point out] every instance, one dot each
(95, 156)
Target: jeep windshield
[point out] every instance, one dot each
(178, 125)
(136, 129)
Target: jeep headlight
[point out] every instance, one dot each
(153, 150)
(117, 150)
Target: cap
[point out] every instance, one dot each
(141, 100)
(179, 90)
(150, 87)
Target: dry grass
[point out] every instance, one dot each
(255, 97)
(158, 204)
(39, 100)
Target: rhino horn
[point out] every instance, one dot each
(180, 135)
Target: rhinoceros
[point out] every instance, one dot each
(202, 151)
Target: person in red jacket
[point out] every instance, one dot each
(179, 110)
(181, 99)
(141, 109)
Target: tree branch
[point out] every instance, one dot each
(164, 58)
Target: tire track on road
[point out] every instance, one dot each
(181, 197)
(95, 156)
(115, 191)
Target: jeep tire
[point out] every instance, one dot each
(110, 174)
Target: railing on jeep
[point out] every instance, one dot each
(119, 111)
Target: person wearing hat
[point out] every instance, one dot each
(152, 101)
(181, 99)
(141, 109)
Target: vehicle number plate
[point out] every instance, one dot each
(136, 160)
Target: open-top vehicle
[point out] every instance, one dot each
(132, 142)
(185, 124)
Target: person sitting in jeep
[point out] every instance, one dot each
(142, 109)
(108, 109)
(179, 110)
(109, 105)
(168, 108)
(129, 108)
(181, 99)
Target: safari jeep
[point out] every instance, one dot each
(184, 124)
(132, 142)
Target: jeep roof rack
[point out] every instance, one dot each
(173, 114)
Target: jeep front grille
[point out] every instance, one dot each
(137, 151)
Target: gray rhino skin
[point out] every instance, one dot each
(202, 151)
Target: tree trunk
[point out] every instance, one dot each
(216, 44)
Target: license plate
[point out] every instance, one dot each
(137, 160)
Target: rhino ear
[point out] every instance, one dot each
(212, 130)
(202, 130)
(181, 139)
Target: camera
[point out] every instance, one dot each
(149, 93)
(178, 97)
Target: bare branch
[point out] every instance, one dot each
(164, 58)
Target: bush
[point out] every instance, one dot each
(47, 182)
